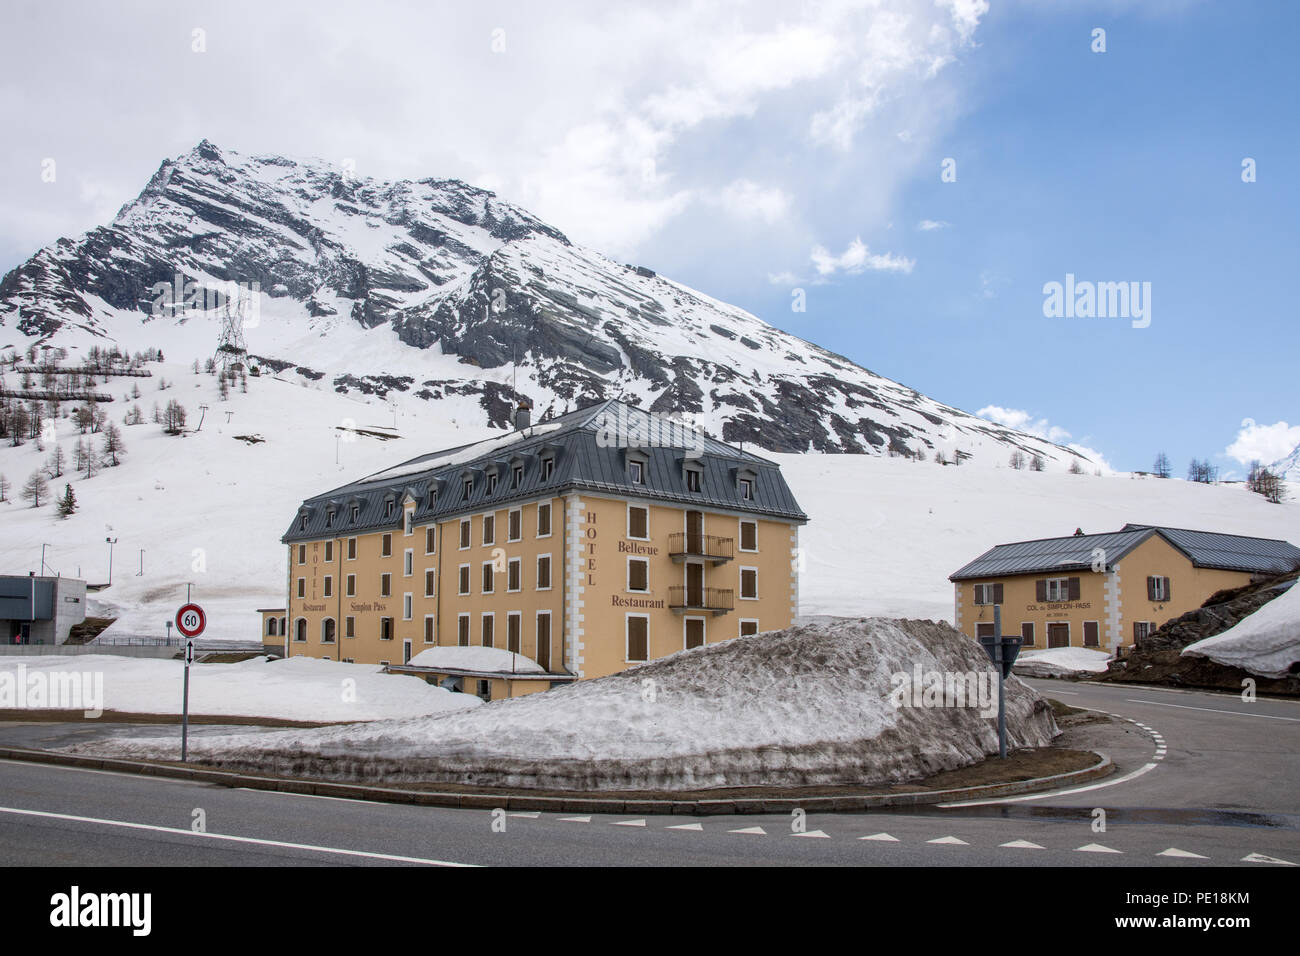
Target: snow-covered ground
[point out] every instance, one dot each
(1061, 662)
(1266, 643)
(839, 702)
(296, 689)
(476, 659)
(208, 508)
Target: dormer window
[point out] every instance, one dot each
(746, 489)
(329, 518)
(388, 508)
(491, 482)
(636, 472)
(432, 498)
(694, 480)
(302, 522)
(466, 489)
(516, 476)
(408, 521)
(356, 513)
(548, 468)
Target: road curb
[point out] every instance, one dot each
(843, 803)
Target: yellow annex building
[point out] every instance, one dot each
(1107, 590)
(586, 543)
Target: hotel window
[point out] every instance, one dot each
(1057, 589)
(514, 525)
(638, 638)
(385, 585)
(638, 574)
(466, 488)
(749, 536)
(487, 577)
(636, 472)
(327, 628)
(514, 628)
(544, 521)
(352, 549)
(544, 572)
(547, 468)
(489, 529)
(1091, 634)
(302, 554)
(1027, 633)
(694, 481)
(329, 551)
(386, 546)
(352, 585)
(748, 627)
(430, 576)
(514, 574)
(517, 476)
(491, 482)
(693, 632)
(749, 583)
(329, 586)
(388, 508)
(356, 513)
(329, 519)
(407, 608)
(302, 523)
(408, 563)
(489, 626)
(544, 640)
(302, 587)
(431, 539)
(1157, 588)
(988, 594)
(462, 584)
(1142, 630)
(746, 489)
(349, 627)
(428, 629)
(464, 533)
(638, 522)
(300, 629)
(408, 521)
(462, 630)
(385, 628)
(431, 499)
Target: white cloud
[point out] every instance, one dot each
(1023, 421)
(929, 225)
(746, 199)
(1263, 443)
(858, 258)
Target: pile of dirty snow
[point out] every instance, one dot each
(299, 688)
(844, 702)
(1061, 662)
(1266, 642)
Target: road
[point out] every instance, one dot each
(1203, 779)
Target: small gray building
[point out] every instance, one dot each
(39, 610)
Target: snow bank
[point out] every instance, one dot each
(1266, 643)
(476, 659)
(1061, 662)
(815, 704)
(299, 688)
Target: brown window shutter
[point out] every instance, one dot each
(1169, 591)
(1151, 588)
(1074, 589)
(1040, 590)
(997, 594)
(1135, 630)
(1027, 632)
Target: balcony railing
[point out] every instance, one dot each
(689, 544)
(717, 600)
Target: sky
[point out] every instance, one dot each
(900, 181)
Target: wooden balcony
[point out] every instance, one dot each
(710, 547)
(716, 600)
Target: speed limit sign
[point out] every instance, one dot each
(190, 620)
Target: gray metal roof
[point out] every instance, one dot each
(1205, 549)
(589, 448)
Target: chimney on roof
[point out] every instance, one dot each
(523, 414)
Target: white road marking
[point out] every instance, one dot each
(233, 839)
(882, 837)
(813, 833)
(1095, 848)
(1174, 851)
(526, 814)
(1056, 793)
(949, 840)
(309, 796)
(1072, 693)
(1212, 710)
(759, 831)
(1261, 858)
(575, 819)
(686, 826)
(629, 823)
(1021, 845)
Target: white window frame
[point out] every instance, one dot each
(296, 638)
(550, 637)
(329, 552)
(430, 571)
(489, 542)
(431, 528)
(1034, 626)
(746, 485)
(431, 632)
(509, 515)
(636, 472)
(1061, 583)
(627, 577)
(492, 577)
(740, 583)
(408, 562)
(408, 606)
(302, 588)
(550, 573)
(386, 584)
(326, 621)
(740, 624)
(518, 616)
(408, 522)
(515, 563)
(692, 617)
(327, 586)
(350, 586)
(551, 522)
(1159, 590)
(628, 528)
(350, 624)
(740, 535)
(464, 537)
(351, 553)
(485, 616)
(627, 638)
(464, 577)
(469, 637)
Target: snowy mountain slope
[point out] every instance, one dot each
(419, 290)
(1288, 468)
(208, 507)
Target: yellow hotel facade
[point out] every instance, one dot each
(587, 543)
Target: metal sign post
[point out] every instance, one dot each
(190, 621)
(1002, 651)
